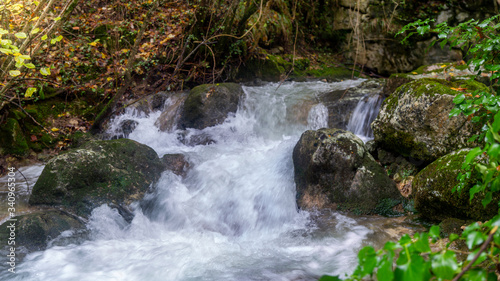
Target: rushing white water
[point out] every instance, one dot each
(364, 114)
(233, 217)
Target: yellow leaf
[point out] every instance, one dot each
(444, 65)
(103, 55)
(93, 44)
(414, 72)
(125, 50)
(54, 129)
(109, 78)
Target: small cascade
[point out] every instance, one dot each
(318, 117)
(364, 114)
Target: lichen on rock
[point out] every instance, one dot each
(115, 172)
(333, 167)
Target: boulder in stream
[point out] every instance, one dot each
(114, 172)
(33, 231)
(208, 105)
(333, 167)
(433, 196)
(414, 121)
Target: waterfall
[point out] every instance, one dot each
(233, 217)
(364, 114)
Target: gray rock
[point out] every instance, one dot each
(332, 167)
(209, 105)
(176, 163)
(172, 111)
(433, 196)
(33, 231)
(414, 121)
(115, 172)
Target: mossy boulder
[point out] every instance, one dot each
(12, 140)
(114, 172)
(208, 105)
(414, 121)
(333, 167)
(433, 196)
(33, 231)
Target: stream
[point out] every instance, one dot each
(233, 217)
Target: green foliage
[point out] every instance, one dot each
(414, 259)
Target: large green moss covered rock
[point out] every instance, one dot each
(332, 166)
(33, 231)
(208, 105)
(433, 196)
(414, 121)
(12, 140)
(114, 172)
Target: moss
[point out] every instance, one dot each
(113, 172)
(386, 208)
(433, 191)
(12, 140)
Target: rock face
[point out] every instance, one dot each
(114, 172)
(374, 22)
(170, 116)
(332, 167)
(209, 105)
(414, 121)
(34, 230)
(432, 191)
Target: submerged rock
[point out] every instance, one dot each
(414, 121)
(114, 172)
(209, 105)
(332, 166)
(433, 196)
(176, 163)
(33, 231)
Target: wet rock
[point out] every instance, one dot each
(194, 138)
(341, 104)
(176, 163)
(153, 102)
(333, 167)
(33, 231)
(414, 121)
(209, 105)
(170, 116)
(99, 172)
(434, 199)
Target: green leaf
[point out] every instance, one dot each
(455, 112)
(414, 269)
(384, 272)
(35, 31)
(29, 92)
(445, 265)
(459, 99)
(14, 73)
(422, 243)
(29, 65)
(21, 35)
(44, 37)
(453, 237)
(487, 199)
(45, 71)
(475, 275)
(5, 51)
(434, 231)
(472, 154)
(475, 238)
(367, 260)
